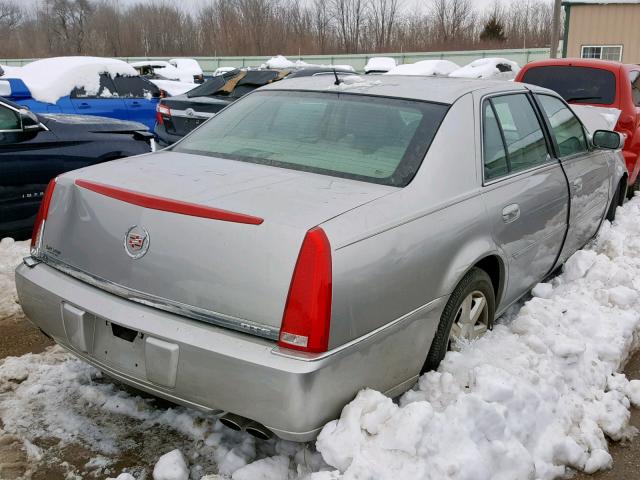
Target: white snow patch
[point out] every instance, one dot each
(425, 67)
(173, 87)
(281, 62)
(536, 395)
(380, 64)
(488, 68)
(171, 466)
(50, 79)
(11, 254)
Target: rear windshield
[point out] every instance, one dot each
(374, 139)
(575, 84)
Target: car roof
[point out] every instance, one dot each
(575, 62)
(431, 89)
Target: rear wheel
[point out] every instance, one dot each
(468, 315)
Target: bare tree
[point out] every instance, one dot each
(349, 16)
(382, 18)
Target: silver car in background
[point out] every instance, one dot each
(314, 239)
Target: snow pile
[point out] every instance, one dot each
(173, 87)
(380, 64)
(171, 466)
(281, 62)
(52, 78)
(11, 254)
(425, 67)
(494, 68)
(187, 65)
(538, 394)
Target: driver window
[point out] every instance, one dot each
(9, 119)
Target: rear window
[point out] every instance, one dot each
(374, 139)
(575, 84)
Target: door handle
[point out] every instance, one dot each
(576, 185)
(511, 213)
(135, 104)
(84, 106)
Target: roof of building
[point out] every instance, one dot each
(599, 2)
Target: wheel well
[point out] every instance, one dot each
(621, 195)
(494, 268)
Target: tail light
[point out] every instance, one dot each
(307, 313)
(41, 217)
(161, 110)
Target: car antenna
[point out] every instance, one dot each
(338, 81)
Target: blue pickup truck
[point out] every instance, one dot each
(83, 85)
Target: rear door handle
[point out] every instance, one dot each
(135, 104)
(84, 106)
(511, 213)
(576, 185)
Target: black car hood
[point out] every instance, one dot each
(92, 123)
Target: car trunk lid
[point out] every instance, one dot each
(222, 236)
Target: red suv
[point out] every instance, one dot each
(598, 83)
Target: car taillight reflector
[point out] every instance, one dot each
(160, 111)
(41, 217)
(307, 313)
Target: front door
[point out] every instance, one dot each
(587, 172)
(103, 103)
(525, 191)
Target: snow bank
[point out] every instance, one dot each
(52, 78)
(425, 67)
(494, 68)
(11, 254)
(380, 64)
(538, 394)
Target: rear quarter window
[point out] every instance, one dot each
(575, 84)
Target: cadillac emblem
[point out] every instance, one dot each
(136, 242)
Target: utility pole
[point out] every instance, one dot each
(555, 28)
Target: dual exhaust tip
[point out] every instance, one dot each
(241, 424)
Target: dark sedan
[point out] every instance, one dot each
(36, 148)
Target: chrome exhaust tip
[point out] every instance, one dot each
(234, 422)
(258, 431)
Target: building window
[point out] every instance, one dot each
(603, 52)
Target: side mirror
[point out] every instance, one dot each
(30, 121)
(607, 139)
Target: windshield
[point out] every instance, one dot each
(575, 84)
(375, 139)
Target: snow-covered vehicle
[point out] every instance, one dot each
(488, 68)
(379, 65)
(314, 239)
(83, 85)
(161, 70)
(189, 67)
(425, 67)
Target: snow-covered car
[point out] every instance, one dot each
(83, 85)
(221, 70)
(36, 148)
(189, 67)
(425, 67)
(161, 70)
(488, 68)
(379, 65)
(314, 239)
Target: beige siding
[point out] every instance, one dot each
(605, 25)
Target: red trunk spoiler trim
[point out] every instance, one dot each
(154, 202)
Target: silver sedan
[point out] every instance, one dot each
(313, 239)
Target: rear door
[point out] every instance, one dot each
(140, 97)
(104, 103)
(525, 190)
(587, 172)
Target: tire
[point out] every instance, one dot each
(615, 201)
(475, 282)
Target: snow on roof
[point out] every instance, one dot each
(497, 68)
(10, 71)
(425, 67)
(280, 62)
(173, 87)
(52, 78)
(379, 64)
(221, 70)
(187, 65)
